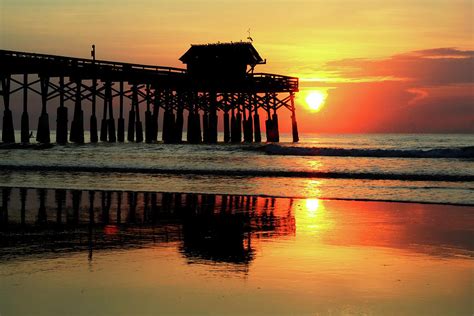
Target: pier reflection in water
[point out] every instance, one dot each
(218, 228)
(113, 252)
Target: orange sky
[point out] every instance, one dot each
(391, 66)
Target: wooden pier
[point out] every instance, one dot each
(219, 84)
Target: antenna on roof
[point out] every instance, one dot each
(249, 37)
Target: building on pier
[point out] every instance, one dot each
(218, 88)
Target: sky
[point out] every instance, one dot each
(382, 66)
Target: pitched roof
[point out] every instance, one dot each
(240, 51)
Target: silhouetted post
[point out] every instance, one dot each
(238, 126)
(179, 124)
(138, 123)
(8, 132)
(23, 193)
(121, 121)
(205, 126)
(93, 120)
(103, 123)
(248, 130)
(42, 134)
(269, 122)
(131, 115)
(42, 216)
(77, 124)
(250, 125)
(226, 119)
(190, 129)
(275, 126)
(212, 134)
(197, 126)
(275, 120)
(25, 121)
(111, 120)
(156, 112)
(294, 124)
(148, 117)
(61, 116)
(233, 126)
(244, 123)
(256, 124)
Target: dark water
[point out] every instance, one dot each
(106, 252)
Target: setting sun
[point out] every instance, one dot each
(315, 100)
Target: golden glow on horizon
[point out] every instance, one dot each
(315, 100)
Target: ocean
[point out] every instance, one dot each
(367, 224)
(432, 168)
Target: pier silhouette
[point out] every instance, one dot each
(218, 84)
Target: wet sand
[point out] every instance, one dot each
(144, 253)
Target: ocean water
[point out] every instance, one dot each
(393, 167)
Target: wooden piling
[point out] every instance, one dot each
(93, 119)
(178, 132)
(8, 132)
(294, 124)
(138, 122)
(43, 133)
(276, 131)
(238, 128)
(121, 120)
(226, 127)
(205, 127)
(103, 122)
(156, 112)
(111, 120)
(212, 118)
(25, 121)
(131, 115)
(61, 116)
(256, 125)
(148, 117)
(77, 124)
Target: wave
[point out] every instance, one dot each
(461, 152)
(245, 173)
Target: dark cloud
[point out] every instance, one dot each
(430, 67)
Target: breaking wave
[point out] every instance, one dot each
(243, 173)
(461, 152)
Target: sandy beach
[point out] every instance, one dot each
(142, 253)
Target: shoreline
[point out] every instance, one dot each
(246, 195)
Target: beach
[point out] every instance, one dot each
(240, 229)
(113, 252)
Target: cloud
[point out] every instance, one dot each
(429, 67)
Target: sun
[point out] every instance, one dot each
(315, 100)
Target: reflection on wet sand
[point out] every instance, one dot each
(218, 228)
(168, 253)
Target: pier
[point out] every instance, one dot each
(218, 90)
